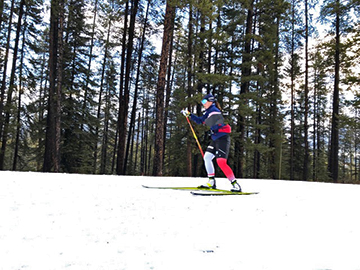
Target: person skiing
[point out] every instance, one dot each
(220, 144)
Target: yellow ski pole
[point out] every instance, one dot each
(197, 141)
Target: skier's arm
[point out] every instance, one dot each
(193, 117)
(196, 119)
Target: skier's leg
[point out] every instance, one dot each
(209, 166)
(222, 152)
(222, 162)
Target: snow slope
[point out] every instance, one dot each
(58, 221)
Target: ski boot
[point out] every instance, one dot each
(236, 186)
(211, 184)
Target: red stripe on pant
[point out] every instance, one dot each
(222, 162)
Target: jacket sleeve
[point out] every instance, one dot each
(198, 120)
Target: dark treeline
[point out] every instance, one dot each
(97, 86)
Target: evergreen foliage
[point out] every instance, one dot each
(91, 90)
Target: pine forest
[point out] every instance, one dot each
(97, 86)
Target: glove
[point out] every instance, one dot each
(185, 112)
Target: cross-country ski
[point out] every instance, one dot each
(220, 193)
(203, 191)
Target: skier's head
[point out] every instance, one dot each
(208, 100)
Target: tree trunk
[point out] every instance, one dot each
(91, 56)
(41, 104)
(124, 100)
(275, 138)
(50, 120)
(334, 146)
(113, 159)
(168, 89)
(245, 84)
(306, 112)
(292, 91)
(199, 82)
(105, 140)
(11, 86)
(134, 107)
(58, 105)
(256, 170)
(160, 89)
(143, 136)
(137, 141)
(1, 13)
(102, 81)
(52, 139)
(189, 143)
(5, 64)
(315, 131)
(18, 128)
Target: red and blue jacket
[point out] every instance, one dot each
(214, 119)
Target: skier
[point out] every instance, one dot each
(220, 144)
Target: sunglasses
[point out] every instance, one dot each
(204, 101)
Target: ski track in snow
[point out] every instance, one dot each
(69, 221)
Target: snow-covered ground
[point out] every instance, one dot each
(58, 221)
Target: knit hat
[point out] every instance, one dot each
(209, 97)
